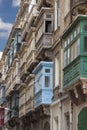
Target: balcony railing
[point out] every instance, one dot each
(45, 42)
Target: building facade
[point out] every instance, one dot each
(43, 69)
(69, 106)
(27, 67)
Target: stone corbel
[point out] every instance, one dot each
(84, 87)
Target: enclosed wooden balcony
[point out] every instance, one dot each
(31, 61)
(15, 82)
(43, 88)
(8, 87)
(23, 54)
(29, 105)
(75, 60)
(43, 45)
(22, 103)
(44, 24)
(22, 111)
(29, 93)
(24, 29)
(23, 72)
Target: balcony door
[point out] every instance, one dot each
(82, 119)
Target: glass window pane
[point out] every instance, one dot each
(74, 50)
(85, 27)
(72, 53)
(65, 44)
(68, 55)
(47, 70)
(71, 36)
(65, 58)
(78, 47)
(47, 81)
(78, 29)
(68, 40)
(75, 33)
(85, 44)
(48, 26)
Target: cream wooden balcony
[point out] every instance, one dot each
(15, 82)
(22, 102)
(8, 86)
(8, 90)
(43, 44)
(24, 29)
(23, 72)
(21, 111)
(29, 93)
(31, 61)
(23, 54)
(29, 105)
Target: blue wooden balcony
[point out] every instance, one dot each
(43, 83)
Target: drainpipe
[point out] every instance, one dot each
(71, 116)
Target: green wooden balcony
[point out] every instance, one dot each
(75, 71)
(75, 52)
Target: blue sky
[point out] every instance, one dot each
(8, 11)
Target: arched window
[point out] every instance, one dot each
(82, 119)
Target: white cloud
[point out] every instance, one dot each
(16, 3)
(5, 29)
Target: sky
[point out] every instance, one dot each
(8, 11)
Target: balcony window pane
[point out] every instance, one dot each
(65, 58)
(47, 70)
(65, 44)
(78, 47)
(47, 81)
(68, 55)
(48, 26)
(85, 27)
(71, 53)
(85, 44)
(71, 36)
(75, 33)
(68, 40)
(19, 38)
